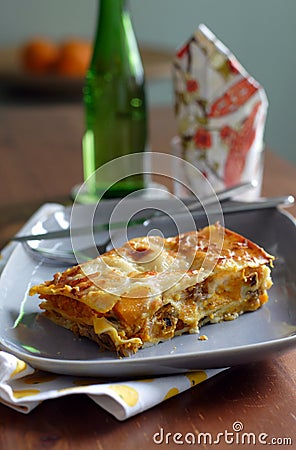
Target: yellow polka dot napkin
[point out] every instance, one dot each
(23, 388)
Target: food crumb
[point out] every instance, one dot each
(203, 337)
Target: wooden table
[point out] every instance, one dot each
(40, 161)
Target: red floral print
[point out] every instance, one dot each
(236, 96)
(234, 167)
(183, 50)
(203, 139)
(239, 143)
(192, 85)
(228, 134)
(233, 66)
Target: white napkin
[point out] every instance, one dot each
(23, 388)
(221, 111)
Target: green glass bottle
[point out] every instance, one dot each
(114, 99)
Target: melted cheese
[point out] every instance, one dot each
(153, 288)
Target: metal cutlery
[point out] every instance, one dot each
(222, 196)
(271, 202)
(52, 256)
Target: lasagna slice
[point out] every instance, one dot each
(152, 289)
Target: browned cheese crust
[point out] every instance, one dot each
(153, 289)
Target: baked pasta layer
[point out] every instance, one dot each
(152, 289)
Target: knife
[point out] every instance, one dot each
(221, 196)
(234, 207)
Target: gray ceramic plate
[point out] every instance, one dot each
(253, 336)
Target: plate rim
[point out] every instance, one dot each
(277, 344)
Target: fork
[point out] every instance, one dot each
(53, 257)
(67, 257)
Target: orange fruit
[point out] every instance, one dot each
(74, 57)
(39, 55)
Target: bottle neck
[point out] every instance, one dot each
(111, 13)
(115, 41)
(111, 25)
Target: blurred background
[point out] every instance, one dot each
(260, 33)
